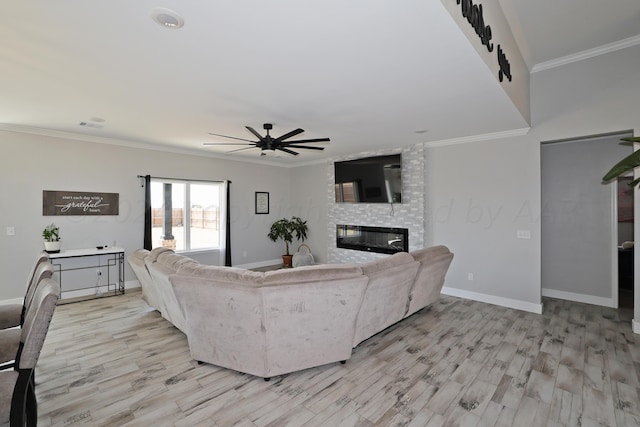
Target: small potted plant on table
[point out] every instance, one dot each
(51, 235)
(285, 229)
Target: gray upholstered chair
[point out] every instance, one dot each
(12, 315)
(10, 336)
(18, 405)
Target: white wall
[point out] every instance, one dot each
(30, 164)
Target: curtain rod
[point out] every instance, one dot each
(184, 179)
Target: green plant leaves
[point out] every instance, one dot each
(625, 165)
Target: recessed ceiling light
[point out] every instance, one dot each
(97, 119)
(419, 131)
(167, 18)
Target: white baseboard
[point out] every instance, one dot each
(492, 299)
(260, 264)
(635, 326)
(571, 296)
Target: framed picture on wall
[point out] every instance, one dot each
(262, 202)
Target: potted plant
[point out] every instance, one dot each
(51, 235)
(286, 229)
(625, 165)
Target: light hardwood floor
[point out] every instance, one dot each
(114, 361)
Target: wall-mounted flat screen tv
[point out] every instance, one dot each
(369, 180)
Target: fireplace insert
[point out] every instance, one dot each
(384, 240)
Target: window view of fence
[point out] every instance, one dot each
(195, 215)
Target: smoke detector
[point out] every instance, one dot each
(167, 18)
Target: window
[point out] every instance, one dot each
(347, 192)
(185, 215)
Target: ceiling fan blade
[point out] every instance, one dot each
(289, 135)
(257, 135)
(302, 141)
(303, 146)
(287, 151)
(241, 149)
(232, 137)
(227, 143)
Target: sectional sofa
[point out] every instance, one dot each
(276, 322)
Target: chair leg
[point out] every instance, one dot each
(20, 399)
(31, 408)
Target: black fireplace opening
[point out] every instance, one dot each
(383, 240)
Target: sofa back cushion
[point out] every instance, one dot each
(137, 263)
(222, 274)
(232, 321)
(167, 264)
(172, 261)
(386, 299)
(434, 264)
(153, 253)
(311, 273)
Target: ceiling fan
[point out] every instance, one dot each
(268, 142)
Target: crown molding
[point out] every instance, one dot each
(31, 130)
(586, 54)
(478, 138)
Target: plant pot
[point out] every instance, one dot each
(52, 247)
(287, 260)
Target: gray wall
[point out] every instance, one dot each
(577, 233)
(32, 163)
(480, 193)
(308, 201)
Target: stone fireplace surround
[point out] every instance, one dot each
(409, 214)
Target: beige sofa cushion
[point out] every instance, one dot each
(168, 263)
(386, 299)
(153, 253)
(434, 264)
(137, 263)
(268, 330)
(311, 273)
(223, 274)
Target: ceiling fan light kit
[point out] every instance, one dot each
(267, 142)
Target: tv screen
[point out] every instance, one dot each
(369, 180)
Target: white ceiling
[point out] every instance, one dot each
(368, 74)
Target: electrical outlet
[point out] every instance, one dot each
(470, 276)
(11, 231)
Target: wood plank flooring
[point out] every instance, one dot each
(116, 362)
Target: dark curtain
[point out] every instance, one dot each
(147, 212)
(227, 254)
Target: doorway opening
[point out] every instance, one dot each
(582, 258)
(625, 242)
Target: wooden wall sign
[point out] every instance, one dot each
(79, 203)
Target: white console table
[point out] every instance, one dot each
(91, 259)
